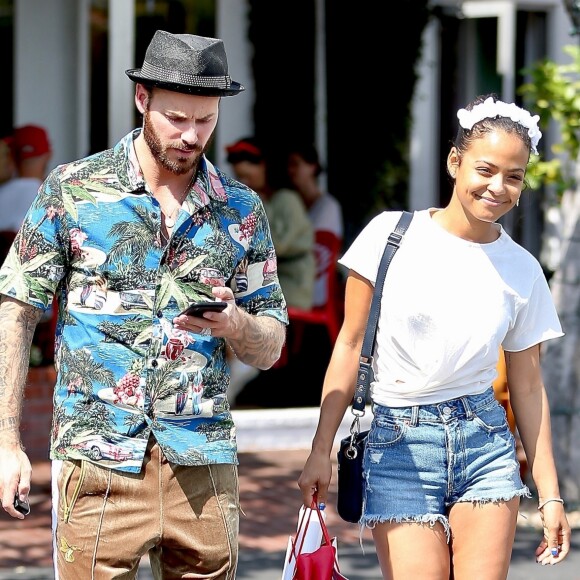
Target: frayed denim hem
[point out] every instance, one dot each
(427, 519)
(524, 492)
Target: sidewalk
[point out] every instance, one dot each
(273, 448)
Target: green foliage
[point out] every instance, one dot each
(553, 92)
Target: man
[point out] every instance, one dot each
(143, 444)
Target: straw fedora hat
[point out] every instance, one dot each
(186, 63)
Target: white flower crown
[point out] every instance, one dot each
(490, 109)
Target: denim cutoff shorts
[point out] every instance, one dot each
(422, 459)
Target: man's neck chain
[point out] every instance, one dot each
(170, 218)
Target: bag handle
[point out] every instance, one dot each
(327, 540)
(366, 356)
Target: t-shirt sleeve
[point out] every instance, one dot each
(37, 259)
(536, 320)
(365, 253)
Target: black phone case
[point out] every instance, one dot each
(21, 506)
(198, 308)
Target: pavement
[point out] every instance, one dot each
(273, 446)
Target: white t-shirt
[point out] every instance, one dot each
(447, 306)
(16, 196)
(326, 214)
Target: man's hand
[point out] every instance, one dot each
(15, 474)
(256, 340)
(18, 321)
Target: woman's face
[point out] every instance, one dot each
(251, 174)
(489, 176)
(300, 171)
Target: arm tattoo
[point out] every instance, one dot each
(17, 324)
(260, 342)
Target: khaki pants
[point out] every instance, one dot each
(185, 518)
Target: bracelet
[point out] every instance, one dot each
(558, 499)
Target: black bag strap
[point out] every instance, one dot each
(366, 356)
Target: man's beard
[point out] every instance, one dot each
(182, 165)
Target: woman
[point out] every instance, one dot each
(442, 479)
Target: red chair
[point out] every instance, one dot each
(326, 248)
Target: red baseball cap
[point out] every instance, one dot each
(30, 141)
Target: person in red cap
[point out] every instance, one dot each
(31, 152)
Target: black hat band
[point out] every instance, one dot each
(156, 73)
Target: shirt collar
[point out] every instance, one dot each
(207, 184)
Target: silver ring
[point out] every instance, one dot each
(205, 331)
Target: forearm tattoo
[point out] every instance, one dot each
(261, 340)
(17, 324)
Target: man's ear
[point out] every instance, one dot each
(141, 98)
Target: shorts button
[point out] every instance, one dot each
(446, 411)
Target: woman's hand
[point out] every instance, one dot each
(315, 478)
(555, 544)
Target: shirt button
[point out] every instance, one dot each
(446, 411)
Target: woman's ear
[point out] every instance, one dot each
(452, 162)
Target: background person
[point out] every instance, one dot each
(31, 153)
(441, 473)
(142, 437)
(324, 210)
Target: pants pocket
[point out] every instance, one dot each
(70, 481)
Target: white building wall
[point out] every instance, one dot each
(236, 115)
(424, 154)
(121, 58)
(46, 89)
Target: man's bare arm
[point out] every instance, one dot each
(17, 324)
(258, 339)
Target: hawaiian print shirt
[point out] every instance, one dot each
(92, 238)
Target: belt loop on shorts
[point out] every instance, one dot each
(414, 415)
(469, 413)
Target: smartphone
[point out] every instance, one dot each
(198, 308)
(21, 506)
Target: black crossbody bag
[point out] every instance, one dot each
(351, 450)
